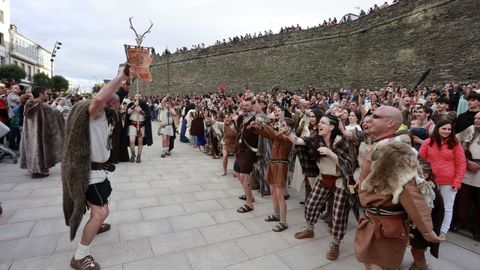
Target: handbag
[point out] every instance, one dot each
(390, 226)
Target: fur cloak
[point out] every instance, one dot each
(394, 163)
(42, 138)
(76, 165)
(147, 137)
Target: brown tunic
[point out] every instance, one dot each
(388, 252)
(277, 171)
(229, 138)
(245, 157)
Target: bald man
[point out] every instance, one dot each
(380, 251)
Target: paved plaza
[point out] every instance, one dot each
(175, 213)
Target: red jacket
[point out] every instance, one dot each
(448, 165)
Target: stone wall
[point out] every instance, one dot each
(396, 44)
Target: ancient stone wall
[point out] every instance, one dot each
(396, 44)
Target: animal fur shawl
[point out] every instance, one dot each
(42, 138)
(76, 165)
(394, 163)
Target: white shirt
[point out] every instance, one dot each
(98, 147)
(470, 178)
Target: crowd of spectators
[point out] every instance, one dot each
(349, 18)
(430, 116)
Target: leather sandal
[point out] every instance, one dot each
(244, 209)
(280, 227)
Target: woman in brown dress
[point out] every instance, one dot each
(277, 171)
(228, 142)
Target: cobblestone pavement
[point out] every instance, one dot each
(175, 213)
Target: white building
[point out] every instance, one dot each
(17, 49)
(28, 55)
(4, 31)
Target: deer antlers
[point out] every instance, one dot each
(139, 38)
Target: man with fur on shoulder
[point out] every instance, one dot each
(84, 165)
(373, 245)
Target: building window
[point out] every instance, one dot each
(15, 62)
(1, 16)
(2, 40)
(2, 60)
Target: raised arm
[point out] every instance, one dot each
(100, 100)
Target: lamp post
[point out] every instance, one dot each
(54, 51)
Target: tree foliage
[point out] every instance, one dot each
(12, 72)
(41, 79)
(59, 83)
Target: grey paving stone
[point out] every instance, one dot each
(223, 232)
(122, 252)
(64, 243)
(159, 212)
(201, 206)
(208, 195)
(269, 262)
(37, 213)
(6, 216)
(191, 221)
(176, 261)
(142, 229)
(15, 230)
(49, 226)
(152, 192)
(137, 203)
(262, 244)
(172, 234)
(27, 247)
(215, 256)
(177, 241)
(228, 215)
(124, 216)
(175, 199)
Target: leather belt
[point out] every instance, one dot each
(96, 166)
(383, 212)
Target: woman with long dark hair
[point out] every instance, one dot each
(335, 165)
(448, 162)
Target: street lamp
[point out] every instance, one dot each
(54, 51)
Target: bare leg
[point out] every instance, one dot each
(245, 181)
(225, 159)
(282, 204)
(140, 145)
(98, 214)
(274, 198)
(132, 145)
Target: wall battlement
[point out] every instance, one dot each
(397, 43)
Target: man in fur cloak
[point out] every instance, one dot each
(42, 138)
(392, 191)
(84, 177)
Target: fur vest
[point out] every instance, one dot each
(76, 163)
(42, 137)
(394, 163)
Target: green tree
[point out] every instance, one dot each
(59, 83)
(41, 79)
(12, 72)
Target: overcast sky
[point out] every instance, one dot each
(93, 31)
